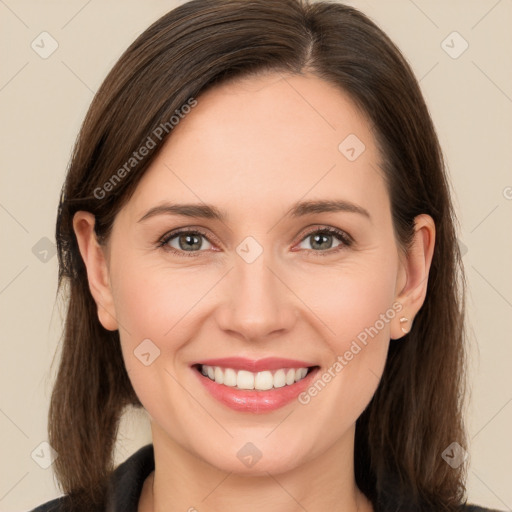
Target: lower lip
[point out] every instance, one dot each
(255, 401)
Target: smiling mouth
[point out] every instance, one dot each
(256, 381)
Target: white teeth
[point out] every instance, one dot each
(264, 381)
(245, 380)
(300, 373)
(229, 377)
(280, 379)
(248, 380)
(219, 375)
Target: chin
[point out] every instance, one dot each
(278, 463)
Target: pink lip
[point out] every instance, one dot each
(254, 401)
(251, 365)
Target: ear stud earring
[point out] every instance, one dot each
(402, 320)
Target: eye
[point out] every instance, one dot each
(185, 241)
(323, 238)
(189, 242)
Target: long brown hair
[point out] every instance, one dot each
(418, 408)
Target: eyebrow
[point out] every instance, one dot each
(299, 209)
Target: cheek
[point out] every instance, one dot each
(150, 301)
(364, 308)
(356, 312)
(352, 300)
(155, 308)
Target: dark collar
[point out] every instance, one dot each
(126, 483)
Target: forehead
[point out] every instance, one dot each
(271, 140)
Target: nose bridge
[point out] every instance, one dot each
(258, 303)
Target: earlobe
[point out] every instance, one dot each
(97, 269)
(415, 271)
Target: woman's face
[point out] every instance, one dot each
(262, 282)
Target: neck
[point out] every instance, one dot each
(326, 482)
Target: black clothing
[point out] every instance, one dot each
(126, 486)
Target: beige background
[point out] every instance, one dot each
(43, 102)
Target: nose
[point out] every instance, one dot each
(258, 303)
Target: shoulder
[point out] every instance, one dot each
(66, 504)
(476, 508)
(124, 487)
(61, 504)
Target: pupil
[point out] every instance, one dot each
(325, 237)
(189, 240)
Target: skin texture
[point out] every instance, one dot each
(253, 148)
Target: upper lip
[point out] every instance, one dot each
(252, 365)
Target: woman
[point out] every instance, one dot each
(259, 243)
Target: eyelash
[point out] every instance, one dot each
(341, 235)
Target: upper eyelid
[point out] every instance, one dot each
(178, 231)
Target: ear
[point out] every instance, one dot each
(97, 268)
(413, 274)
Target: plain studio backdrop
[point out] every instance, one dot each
(461, 53)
